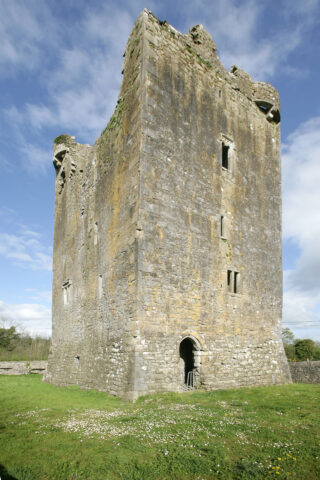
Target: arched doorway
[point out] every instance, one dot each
(190, 351)
(186, 353)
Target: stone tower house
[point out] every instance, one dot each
(167, 240)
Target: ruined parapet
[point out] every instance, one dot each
(202, 42)
(264, 95)
(267, 100)
(64, 158)
(165, 227)
(241, 81)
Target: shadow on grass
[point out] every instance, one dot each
(16, 474)
(4, 475)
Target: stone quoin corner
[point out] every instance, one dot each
(167, 241)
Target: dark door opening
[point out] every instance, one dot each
(186, 353)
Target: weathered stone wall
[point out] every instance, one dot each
(191, 106)
(141, 251)
(305, 372)
(95, 252)
(23, 368)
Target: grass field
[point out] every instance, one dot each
(65, 433)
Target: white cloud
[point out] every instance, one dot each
(301, 222)
(7, 214)
(84, 84)
(33, 318)
(301, 180)
(246, 35)
(25, 250)
(24, 30)
(39, 295)
(39, 115)
(83, 79)
(300, 309)
(305, 8)
(301, 313)
(37, 159)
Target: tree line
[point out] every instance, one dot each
(298, 350)
(17, 346)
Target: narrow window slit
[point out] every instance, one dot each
(236, 282)
(229, 279)
(66, 287)
(233, 281)
(100, 286)
(222, 225)
(225, 156)
(95, 234)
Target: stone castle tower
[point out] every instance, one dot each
(167, 242)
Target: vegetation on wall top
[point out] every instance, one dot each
(61, 139)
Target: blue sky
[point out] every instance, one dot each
(60, 72)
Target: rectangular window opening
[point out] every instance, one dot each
(65, 297)
(222, 232)
(229, 279)
(100, 286)
(225, 156)
(236, 282)
(233, 281)
(95, 234)
(66, 287)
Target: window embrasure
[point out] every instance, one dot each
(66, 287)
(270, 111)
(223, 226)
(226, 153)
(233, 281)
(225, 161)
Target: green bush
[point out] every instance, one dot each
(290, 351)
(299, 350)
(304, 349)
(8, 338)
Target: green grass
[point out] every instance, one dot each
(65, 433)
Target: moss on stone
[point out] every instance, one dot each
(204, 62)
(116, 118)
(189, 50)
(61, 139)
